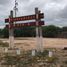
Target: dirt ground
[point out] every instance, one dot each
(30, 43)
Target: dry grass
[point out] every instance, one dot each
(30, 43)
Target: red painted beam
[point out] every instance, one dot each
(19, 25)
(23, 18)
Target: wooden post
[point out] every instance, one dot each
(41, 37)
(11, 34)
(38, 32)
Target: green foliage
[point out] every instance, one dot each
(64, 28)
(42, 54)
(27, 60)
(5, 32)
(10, 60)
(50, 31)
(25, 32)
(47, 31)
(4, 44)
(0, 32)
(51, 59)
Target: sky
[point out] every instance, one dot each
(55, 11)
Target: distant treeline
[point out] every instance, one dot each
(47, 31)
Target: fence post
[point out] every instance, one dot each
(40, 35)
(11, 31)
(38, 31)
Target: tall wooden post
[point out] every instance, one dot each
(41, 37)
(37, 29)
(11, 34)
(38, 32)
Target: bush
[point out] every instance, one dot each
(51, 59)
(4, 44)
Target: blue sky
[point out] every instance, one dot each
(55, 10)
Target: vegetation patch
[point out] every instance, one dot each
(4, 44)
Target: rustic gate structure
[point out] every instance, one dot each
(38, 23)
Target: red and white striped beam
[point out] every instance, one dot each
(19, 25)
(23, 18)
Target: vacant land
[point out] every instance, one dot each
(30, 43)
(59, 56)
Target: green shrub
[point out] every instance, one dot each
(4, 44)
(51, 59)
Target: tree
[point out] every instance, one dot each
(50, 31)
(64, 29)
(5, 33)
(24, 32)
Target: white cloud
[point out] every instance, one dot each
(53, 9)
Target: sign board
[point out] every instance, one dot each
(18, 25)
(23, 18)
